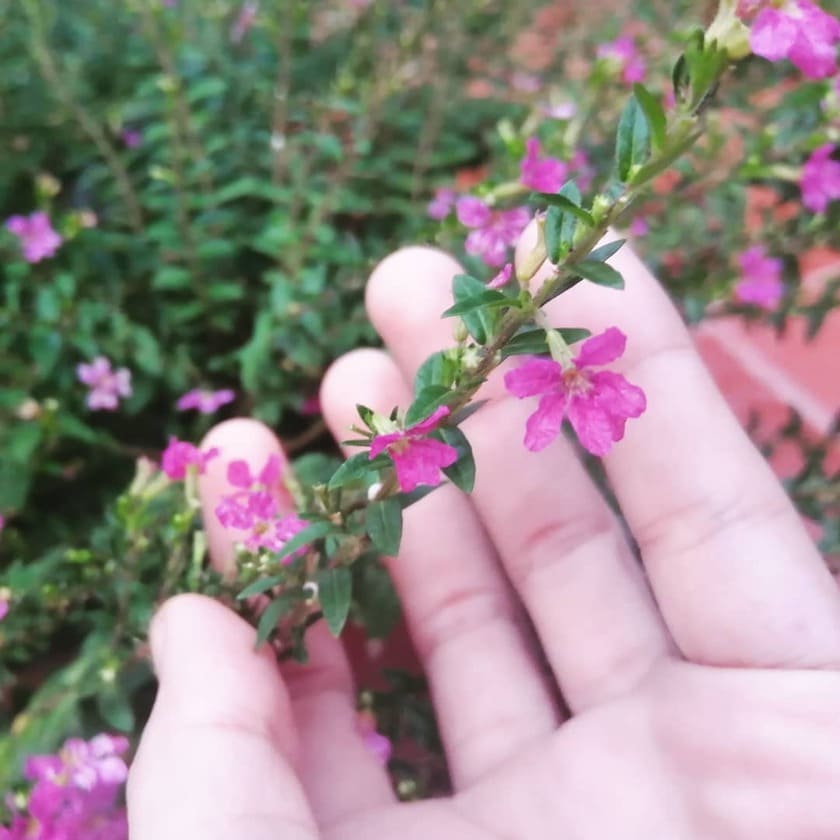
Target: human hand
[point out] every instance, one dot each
(707, 710)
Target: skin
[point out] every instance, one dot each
(702, 693)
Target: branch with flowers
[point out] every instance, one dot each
(302, 566)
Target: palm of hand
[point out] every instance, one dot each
(685, 724)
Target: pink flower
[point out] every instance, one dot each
(254, 508)
(623, 53)
(131, 138)
(441, 205)
(377, 744)
(820, 181)
(760, 282)
(4, 608)
(541, 174)
(107, 386)
(559, 110)
(180, 455)
(244, 20)
(205, 402)
(37, 237)
(311, 405)
(799, 31)
(639, 227)
(596, 403)
(502, 278)
(75, 793)
(417, 459)
(494, 231)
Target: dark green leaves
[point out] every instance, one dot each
(603, 253)
(335, 593)
(352, 470)
(632, 143)
(600, 273)
(439, 369)
(260, 586)
(315, 531)
(383, 523)
(533, 342)
(426, 402)
(462, 472)
(487, 297)
(278, 608)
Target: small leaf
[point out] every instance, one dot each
(367, 415)
(632, 144)
(462, 472)
(603, 253)
(654, 113)
(378, 605)
(489, 297)
(559, 230)
(352, 470)
(257, 587)
(426, 402)
(279, 607)
(438, 369)
(600, 273)
(335, 593)
(315, 531)
(383, 522)
(563, 202)
(480, 323)
(533, 342)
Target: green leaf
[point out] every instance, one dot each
(257, 587)
(654, 114)
(603, 253)
(559, 230)
(438, 369)
(489, 297)
(335, 593)
(115, 709)
(315, 531)
(367, 414)
(462, 472)
(354, 469)
(533, 342)
(632, 144)
(279, 607)
(600, 273)
(563, 202)
(480, 323)
(426, 402)
(383, 522)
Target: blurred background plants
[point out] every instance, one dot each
(223, 176)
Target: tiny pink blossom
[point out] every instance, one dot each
(596, 403)
(639, 227)
(624, 54)
(131, 137)
(37, 238)
(820, 180)
(205, 402)
(244, 20)
(377, 744)
(760, 282)
(441, 204)
(559, 110)
(180, 455)
(4, 608)
(502, 278)
(494, 231)
(273, 535)
(417, 459)
(543, 174)
(311, 405)
(107, 386)
(800, 31)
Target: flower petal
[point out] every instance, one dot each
(533, 377)
(602, 349)
(545, 423)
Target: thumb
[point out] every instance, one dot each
(215, 758)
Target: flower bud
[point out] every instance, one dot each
(729, 32)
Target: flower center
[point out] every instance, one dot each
(576, 381)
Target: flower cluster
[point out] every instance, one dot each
(543, 174)
(596, 403)
(75, 793)
(107, 386)
(254, 508)
(820, 181)
(37, 238)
